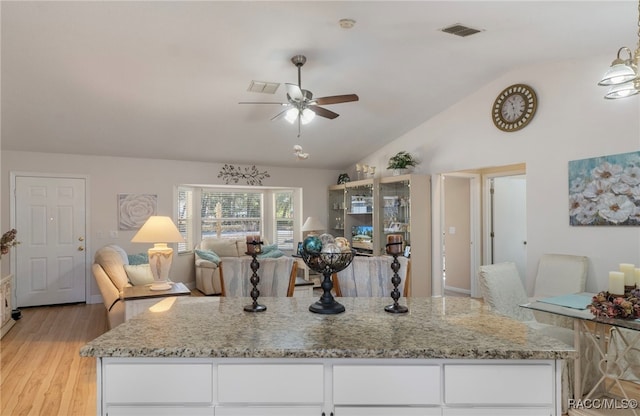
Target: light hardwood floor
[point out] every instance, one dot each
(41, 371)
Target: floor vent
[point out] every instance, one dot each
(460, 30)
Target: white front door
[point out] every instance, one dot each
(51, 258)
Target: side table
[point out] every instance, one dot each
(138, 299)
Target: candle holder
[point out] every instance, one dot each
(254, 279)
(395, 280)
(327, 264)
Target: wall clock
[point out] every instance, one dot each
(514, 107)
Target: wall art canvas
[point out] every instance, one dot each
(135, 209)
(605, 190)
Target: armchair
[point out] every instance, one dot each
(370, 276)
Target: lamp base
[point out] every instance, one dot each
(160, 286)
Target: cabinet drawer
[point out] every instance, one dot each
(386, 384)
(508, 384)
(499, 412)
(158, 383)
(387, 411)
(159, 411)
(270, 383)
(269, 411)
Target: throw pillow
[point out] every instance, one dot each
(139, 274)
(208, 255)
(140, 258)
(267, 248)
(271, 254)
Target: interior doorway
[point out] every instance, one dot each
(49, 265)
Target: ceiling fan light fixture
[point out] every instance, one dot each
(307, 115)
(291, 115)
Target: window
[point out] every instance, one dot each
(283, 201)
(230, 214)
(236, 212)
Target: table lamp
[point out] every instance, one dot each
(159, 228)
(312, 225)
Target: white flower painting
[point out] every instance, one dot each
(605, 190)
(135, 209)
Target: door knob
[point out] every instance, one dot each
(80, 238)
(80, 248)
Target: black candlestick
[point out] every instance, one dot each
(255, 279)
(395, 293)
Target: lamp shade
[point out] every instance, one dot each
(312, 224)
(158, 229)
(623, 90)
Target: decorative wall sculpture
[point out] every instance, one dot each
(605, 190)
(234, 174)
(135, 209)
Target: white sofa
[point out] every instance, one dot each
(231, 276)
(108, 270)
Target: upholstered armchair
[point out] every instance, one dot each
(111, 277)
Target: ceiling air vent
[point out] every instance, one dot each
(460, 30)
(263, 87)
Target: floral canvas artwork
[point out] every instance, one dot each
(135, 209)
(605, 190)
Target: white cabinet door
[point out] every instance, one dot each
(159, 411)
(268, 411)
(387, 411)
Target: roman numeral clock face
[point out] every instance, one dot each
(514, 108)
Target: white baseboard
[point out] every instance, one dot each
(458, 290)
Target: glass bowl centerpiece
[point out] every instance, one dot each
(327, 255)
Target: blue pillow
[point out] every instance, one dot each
(208, 255)
(269, 248)
(271, 254)
(137, 259)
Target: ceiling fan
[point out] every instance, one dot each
(301, 106)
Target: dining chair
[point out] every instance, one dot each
(370, 276)
(560, 274)
(277, 276)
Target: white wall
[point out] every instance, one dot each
(573, 122)
(109, 176)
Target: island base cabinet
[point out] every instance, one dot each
(387, 411)
(159, 411)
(268, 411)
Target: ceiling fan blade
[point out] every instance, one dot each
(323, 112)
(336, 99)
(294, 92)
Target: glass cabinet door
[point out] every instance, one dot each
(335, 225)
(359, 216)
(395, 211)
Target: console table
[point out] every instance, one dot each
(137, 299)
(591, 335)
(6, 290)
(447, 356)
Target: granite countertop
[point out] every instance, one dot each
(455, 327)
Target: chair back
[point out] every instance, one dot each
(370, 276)
(277, 276)
(503, 290)
(560, 274)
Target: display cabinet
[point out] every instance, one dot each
(366, 211)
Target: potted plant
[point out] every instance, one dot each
(401, 162)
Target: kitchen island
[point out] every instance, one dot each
(206, 356)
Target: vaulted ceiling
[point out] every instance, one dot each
(163, 79)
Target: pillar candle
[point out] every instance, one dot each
(616, 283)
(629, 276)
(637, 274)
(253, 248)
(395, 241)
